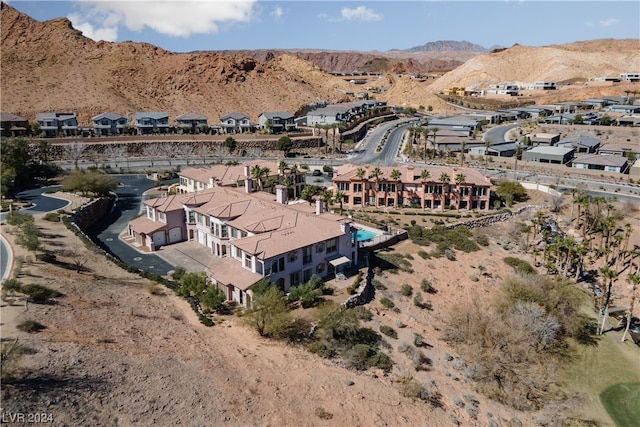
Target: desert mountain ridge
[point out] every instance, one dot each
(50, 66)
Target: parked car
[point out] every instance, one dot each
(317, 172)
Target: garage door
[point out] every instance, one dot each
(175, 235)
(159, 238)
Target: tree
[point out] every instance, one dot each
(460, 178)
(29, 238)
(487, 144)
(75, 151)
(511, 191)
(284, 144)
(230, 144)
(424, 178)
(434, 132)
(376, 173)
(270, 314)
(115, 153)
(339, 197)
(152, 151)
(89, 182)
(193, 284)
(463, 148)
(169, 150)
(634, 280)
(212, 298)
(186, 151)
(517, 156)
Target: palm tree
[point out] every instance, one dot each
(396, 175)
(424, 177)
(634, 280)
(610, 275)
(460, 179)
(339, 197)
(487, 144)
(434, 131)
(518, 153)
(444, 179)
(426, 131)
(463, 147)
(376, 174)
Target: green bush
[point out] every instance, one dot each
(387, 303)
(423, 254)
(30, 326)
(519, 265)
(389, 331)
(362, 313)
(52, 217)
(11, 285)
(378, 285)
(39, 293)
(425, 285)
(406, 290)
(458, 238)
(178, 272)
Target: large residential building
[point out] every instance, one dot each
(148, 122)
(192, 123)
(581, 143)
(255, 235)
(198, 179)
(235, 123)
(13, 125)
(276, 122)
(57, 124)
(427, 188)
(618, 164)
(543, 154)
(106, 124)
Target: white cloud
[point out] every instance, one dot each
(109, 32)
(277, 12)
(180, 18)
(608, 22)
(360, 13)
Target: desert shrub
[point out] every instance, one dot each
(406, 290)
(388, 331)
(178, 272)
(377, 284)
(382, 361)
(322, 349)
(270, 314)
(418, 341)
(38, 293)
(449, 254)
(362, 313)
(426, 286)
(47, 257)
(52, 217)
(423, 254)
(308, 293)
(481, 239)
(322, 414)
(387, 303)
(11, 285)
(155, 289)
(356, 284)
(473, 278)
(30, 326)
(417, 299)
(519, 265)
(420, 361)
(458, 238)
(392, 262)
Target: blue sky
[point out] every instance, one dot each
(183, 26)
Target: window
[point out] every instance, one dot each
(306, 275)
(293, 255)
(149, 213)
(223, 232)
(248, 261)
(239, 252)
(320, 247)
(295, 278)
(343, 186)
(192, 217)
(320, 268)
(306, 255)
(234, 232)
(332, 245)
(357, 188)
(162, 216)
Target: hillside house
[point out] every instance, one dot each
(151, 122)
(192, 123)
(629, 149)
(12, 125)
(258, 237)
(581, 143)
(235, 123)
(618, 164)
(106, 124)
(444, 187)
(544, 154)
(162, 223)
(277, 122)
(57, 124)
(544, 138)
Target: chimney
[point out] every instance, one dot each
(247, 170)
(248, 185)
(319, 205)
(281, 194)
(409, 177)
(345, 227)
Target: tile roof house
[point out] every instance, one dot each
(198, 179)
(609, 163)
(427, 188)
(192, 123)
(109, 124)
(276, 122)
(13, 125)
(55, 124)
(148, 122)
(256, 237)
(235, 123)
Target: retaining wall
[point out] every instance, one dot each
(90, 213)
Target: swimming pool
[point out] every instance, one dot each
(365, 235)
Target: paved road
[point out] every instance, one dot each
(105, 233)
(498, 133)
(5, 258)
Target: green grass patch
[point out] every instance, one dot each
(622, 402)
(519, 265)
(458, 238)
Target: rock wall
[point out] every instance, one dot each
(487, 221)
(364, 294)
(89, 214)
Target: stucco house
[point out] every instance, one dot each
(13, 125)
(235, 123)
(148, 122)
(276, 122)
(162, 223)
(606, 163)
(581, 143)
(198, 179)
(256, 235)
(544, 154)
(57, 124)
(434, 188)
(109, 124)
(192, 123)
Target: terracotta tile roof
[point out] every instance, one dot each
(227, 175)
(231, 272)
(144, 225)
(166, 204)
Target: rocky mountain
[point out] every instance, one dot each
(50, 66)
(448, 46)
